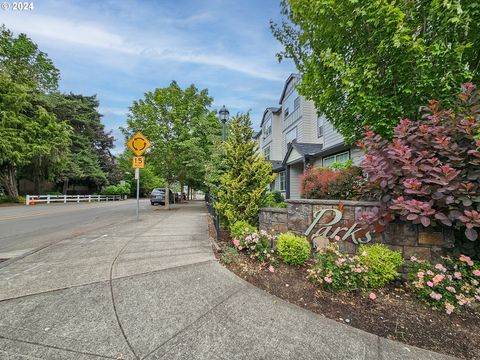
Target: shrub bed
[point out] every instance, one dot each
(450, 286)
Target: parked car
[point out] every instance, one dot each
(158, 196)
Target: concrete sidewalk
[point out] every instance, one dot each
(153, 290)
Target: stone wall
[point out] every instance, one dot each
(349, 232)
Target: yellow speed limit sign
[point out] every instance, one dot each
(138, 162)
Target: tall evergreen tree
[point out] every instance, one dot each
(247, 175)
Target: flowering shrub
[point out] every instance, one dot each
(326, 183)
(255, 244)
(449, 286)
(373, 267)
(241, 227)
(430, 172)
(336, 271)
(381, 262)
(293, 249)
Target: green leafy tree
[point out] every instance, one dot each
(247, 175)
(372, 62)
(27, 131)
(90, 160)
(174, 120)
(25, 63)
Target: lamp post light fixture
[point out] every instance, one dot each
(224, 117)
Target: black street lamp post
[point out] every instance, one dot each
(224, 117)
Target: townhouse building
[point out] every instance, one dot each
(293, 136)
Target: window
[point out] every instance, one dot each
(291, 135)
(296, 103)
(341, 158)
(266, 152)
(283, 182)
(286, 113)
(320, 126)
(267, 128)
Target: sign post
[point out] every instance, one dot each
(138, 144)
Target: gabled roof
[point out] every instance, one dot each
(304, 149)
(277, 165)
(273, 110)
(290, 78)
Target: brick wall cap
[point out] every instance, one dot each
(332, 202)
(274, 210)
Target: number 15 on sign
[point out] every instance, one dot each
(138, 162)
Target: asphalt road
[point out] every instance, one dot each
(26, 228)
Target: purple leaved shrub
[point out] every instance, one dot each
(429, 173)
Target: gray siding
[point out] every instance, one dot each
(330, 136)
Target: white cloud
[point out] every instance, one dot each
(87, 34)
(113, 111)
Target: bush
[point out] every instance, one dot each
(345, 183)
(240, 228)
(230, 255)
(245, 177)
(338, 272)
(278, 197)
(21, 199)
(116, 189)
(382, 264)
(257, 245)
(274, 199)
(429, 173)
(315, 182)
(450, 286)
(292, 249)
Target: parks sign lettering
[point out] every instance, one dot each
(331, 217)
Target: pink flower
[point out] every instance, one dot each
(429, 283)
(438, 278)
(364, 253)
(435, 295)
(464, 258)
(372, 296)
(457, 275)
(271, 269)
(236, 242)
(451, 289)
(248, 238)
(470, 263)
(430, 272)
(240, 248)
(358, 270)
(449, 308)
(420, 275)
(413, 258)
(440, 267)
(328, 279)
(476, 272)
(337, 238)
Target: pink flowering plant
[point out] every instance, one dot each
(254, 243)
(429, 173)
(374, 266)
(450, 286)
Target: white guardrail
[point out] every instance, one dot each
(33, 199)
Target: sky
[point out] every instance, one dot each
(121, 49)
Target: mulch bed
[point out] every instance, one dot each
(395, 314)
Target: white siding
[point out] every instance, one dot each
(309, 120)
(295, 172)
(276, 148)
(294, 156)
